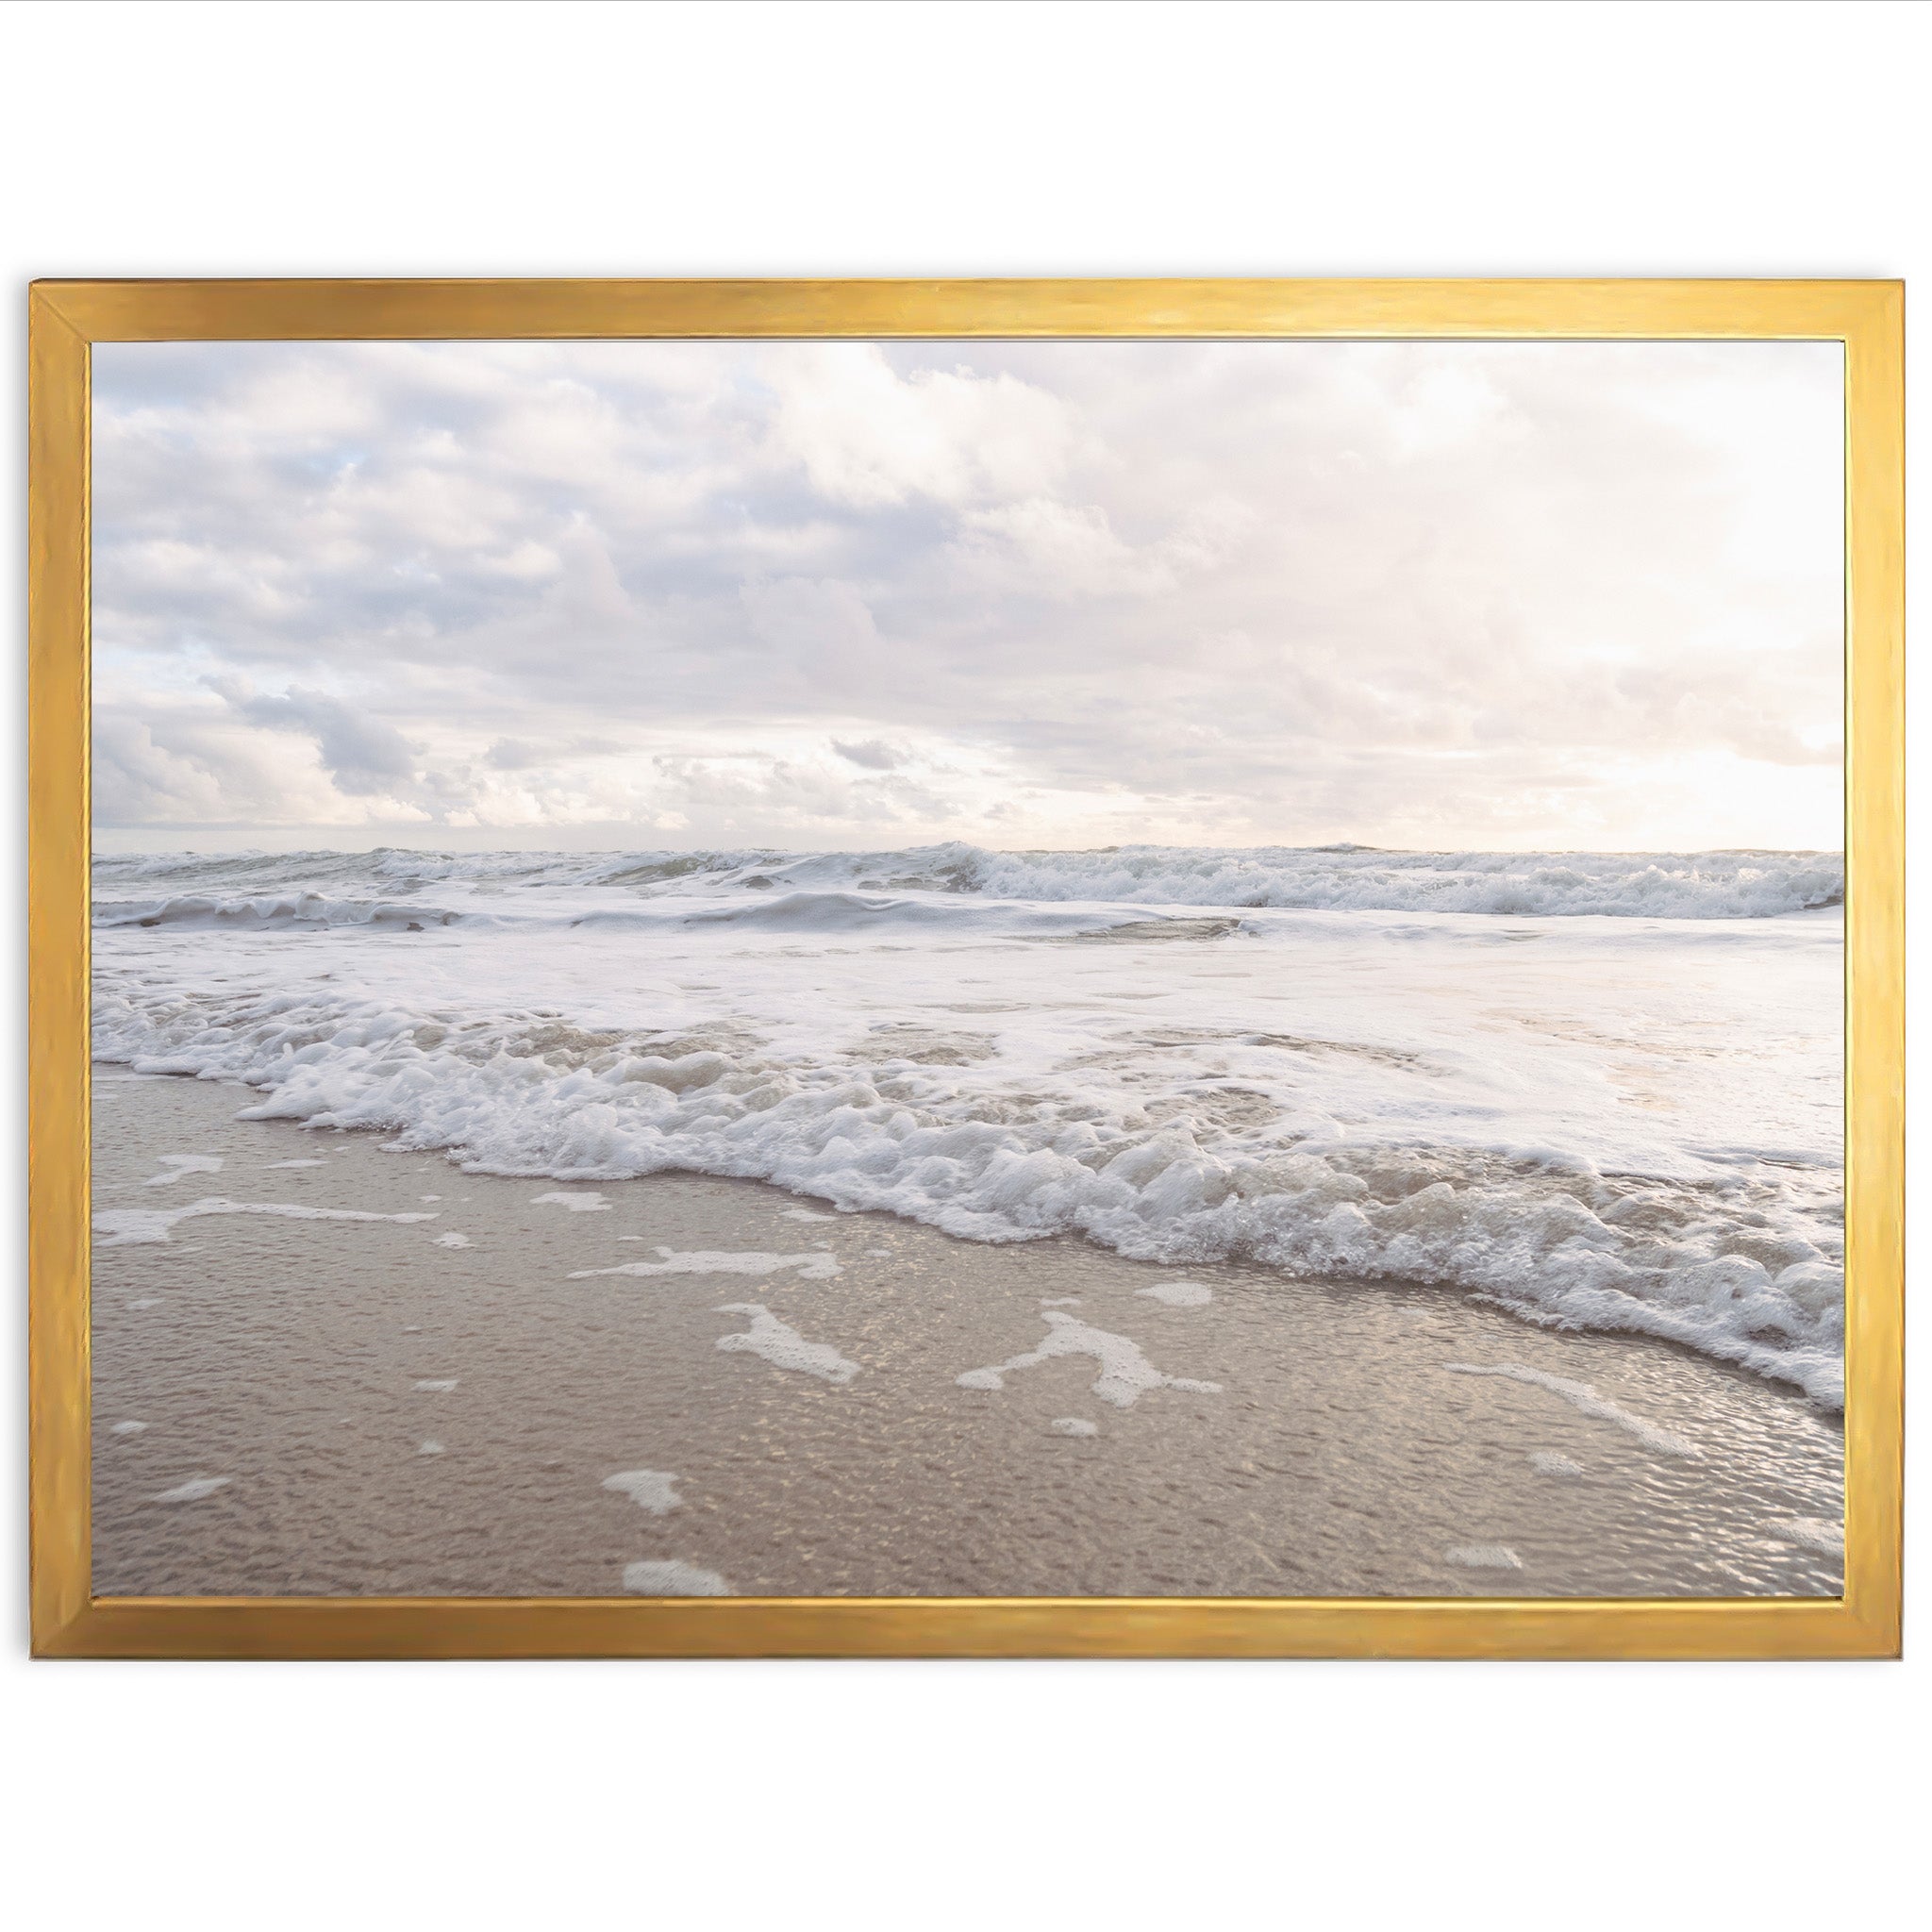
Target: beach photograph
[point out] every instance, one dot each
(967, 969)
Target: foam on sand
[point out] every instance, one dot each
(434, 1388)
(805, 1214)
(127, 1428)
(271, 1166)
(193, 1489)
(1477, 1073)
(451, 1240)
(1073, 1425)
(673, 1578)
(1585, 1399)
(1125, 1374)
(1548, 1462)
(784, 1347)
(1484, 1557)
(577, 1204)
(178, 1166)
(1812, 1533)
(1179, 1295)
(124, 1227)
(429, 1449)
(654, 1490)
(820, 1266)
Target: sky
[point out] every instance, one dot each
(854, 595)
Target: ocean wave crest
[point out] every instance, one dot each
(1735, 1264)
(1698, 886)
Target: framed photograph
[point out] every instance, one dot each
(979, 968)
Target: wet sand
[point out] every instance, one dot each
(369, 1406)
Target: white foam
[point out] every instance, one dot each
(1179, 1295)
(434, 1388)
(429, 1449)
(143, 1301)
(430, 1197)
(124, 1227)
(1549, 1462)
(128, 1428)
(451, 1240)
(654, 1490)
(390, 888)
(820, 1266)
(784, 1347)
(1073, 1425)
(179, 1166)
(269, 1166)
(1709, 885)
(1484, 1557)
(1487, 1100)
(193, 1489)
(577, 1204)
(673, 1578)
(1585, 1399)
(1125, 1374)
(804, 1214)
(1812, 1533)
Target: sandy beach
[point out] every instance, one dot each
(391, 1376)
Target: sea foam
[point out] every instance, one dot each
(1125, 1374)
(1583, 1398)
(120, 1228)
(783, 1347)
(654, 1490)
(194, 1490)
(389, 887)
(1601, 1091)
(814, 1267)
(673, 1578)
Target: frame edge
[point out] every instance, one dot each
(66, 316)
(58, 1512)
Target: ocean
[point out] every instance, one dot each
(1598, 1090)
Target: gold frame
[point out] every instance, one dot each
(66, 317)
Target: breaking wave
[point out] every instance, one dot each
(1601, 1089)
(1745, 1264)
(381, 885)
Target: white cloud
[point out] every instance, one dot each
(874, 754)
(1056, 592)
(362, 754)
(869, 435)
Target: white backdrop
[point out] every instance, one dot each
(802, 139)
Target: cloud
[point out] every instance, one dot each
(363, 755)
(137, 781)
(1084, 592)
(517, 755)
(867, 434)
(513, 755)
(875, 753)
(819, 632)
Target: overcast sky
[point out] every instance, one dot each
(820, 595)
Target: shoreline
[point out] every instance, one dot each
(335, 1399)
